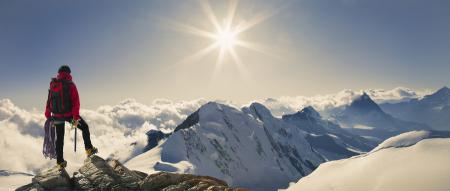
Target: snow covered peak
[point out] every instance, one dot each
(211, 106)
(307, 113)
(210, 110)
(364, 104)
(310, 112)
(365, 96)
(258, 111)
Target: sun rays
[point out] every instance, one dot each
(224, 36)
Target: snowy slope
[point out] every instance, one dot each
(411, 161)
(233, 145)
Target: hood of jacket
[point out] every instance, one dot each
(64, 76)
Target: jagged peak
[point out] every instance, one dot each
(307, 112)
(364, 103)
(260, 108)
(213, 105)
(257, 110)
(365, 96)
(209, 109)
(210, 104)
(311, 112)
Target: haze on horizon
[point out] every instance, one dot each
(121, 49)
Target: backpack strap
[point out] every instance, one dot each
(66, 97)
(49, 96)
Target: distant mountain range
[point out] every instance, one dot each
(366, 118)
(250, 147)
(433, 110)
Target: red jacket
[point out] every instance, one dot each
(75, 113)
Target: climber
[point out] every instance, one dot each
(63, 104)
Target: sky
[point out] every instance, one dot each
(142, 50)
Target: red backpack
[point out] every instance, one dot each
(59, 98)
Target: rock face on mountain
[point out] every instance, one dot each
(364, 117)
(433, 109)
(153, 137)
(99, 174)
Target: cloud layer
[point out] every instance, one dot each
(119, 130)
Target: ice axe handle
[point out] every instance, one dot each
(75, 145)
(75, 138)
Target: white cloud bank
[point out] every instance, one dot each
(115, 128)
(118, 131)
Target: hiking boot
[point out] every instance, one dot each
(61, 165)
(91, 151)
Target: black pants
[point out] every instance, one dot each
(60, 129)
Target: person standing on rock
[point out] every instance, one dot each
(63, 104)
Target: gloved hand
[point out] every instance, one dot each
(75, 123)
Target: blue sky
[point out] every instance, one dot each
(127, 49)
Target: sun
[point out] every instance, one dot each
(226, 39)
(223, 35)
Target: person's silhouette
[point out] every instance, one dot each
(63, 104)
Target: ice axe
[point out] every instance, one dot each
(75, 139)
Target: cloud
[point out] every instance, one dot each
(119, 131)
(27, 122)
(19, 151)
(162, 113)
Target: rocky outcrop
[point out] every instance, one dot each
(51, 179)
(171, 181)
(99, 174)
